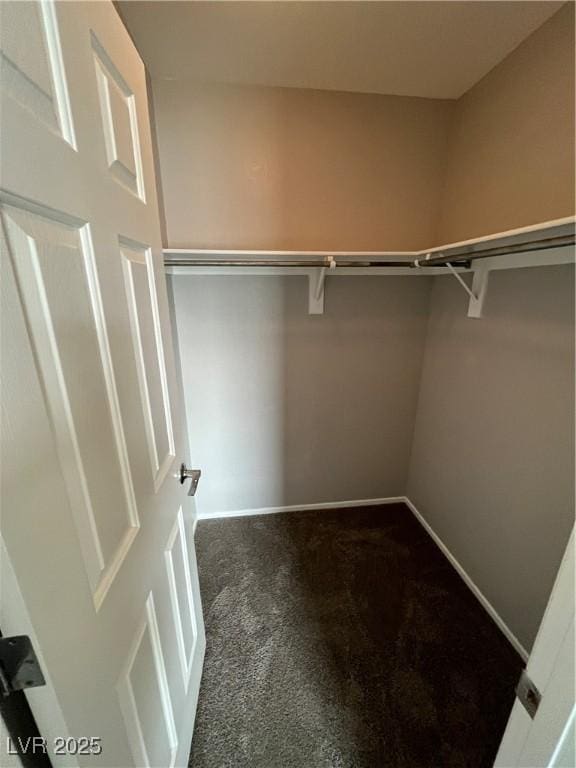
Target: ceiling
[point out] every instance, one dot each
(410, 48)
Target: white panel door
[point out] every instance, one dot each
(547, 741)
(96, 526)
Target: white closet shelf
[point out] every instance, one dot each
(545, 244)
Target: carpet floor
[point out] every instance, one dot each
(344, 639)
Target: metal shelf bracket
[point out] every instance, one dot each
(477, 292)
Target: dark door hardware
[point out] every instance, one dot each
(19, 667)
(528, 694)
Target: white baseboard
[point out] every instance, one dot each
(484, 602)
(482, 599)
(302, 507)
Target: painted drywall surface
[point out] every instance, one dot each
(492, 466)
(289, 408)
(285, 168)
(281, 168)
(511, 159)
(400, 48)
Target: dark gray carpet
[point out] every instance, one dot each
(344, 639)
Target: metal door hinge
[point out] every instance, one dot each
(528, 694)
(19, 666)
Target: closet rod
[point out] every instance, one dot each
(460, 258)
(310, 263)
(501, 250)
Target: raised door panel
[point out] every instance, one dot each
(57, 279)
(31, 68)
(177, 560)
(141, 297)
(119, 122)
(145, 698)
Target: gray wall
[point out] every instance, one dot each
(511, 157)
(288, 408)
(250, 167)
(284, 408)
(472, 419)
(492, 467)
(245, 167)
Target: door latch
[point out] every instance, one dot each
(190, 474)
(528, 695)
(19, 667)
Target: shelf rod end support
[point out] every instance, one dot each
(477, 292)
(316, 286)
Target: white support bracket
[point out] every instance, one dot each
(210, 262)
(477, 293)
(316, 284)
(481, 272)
